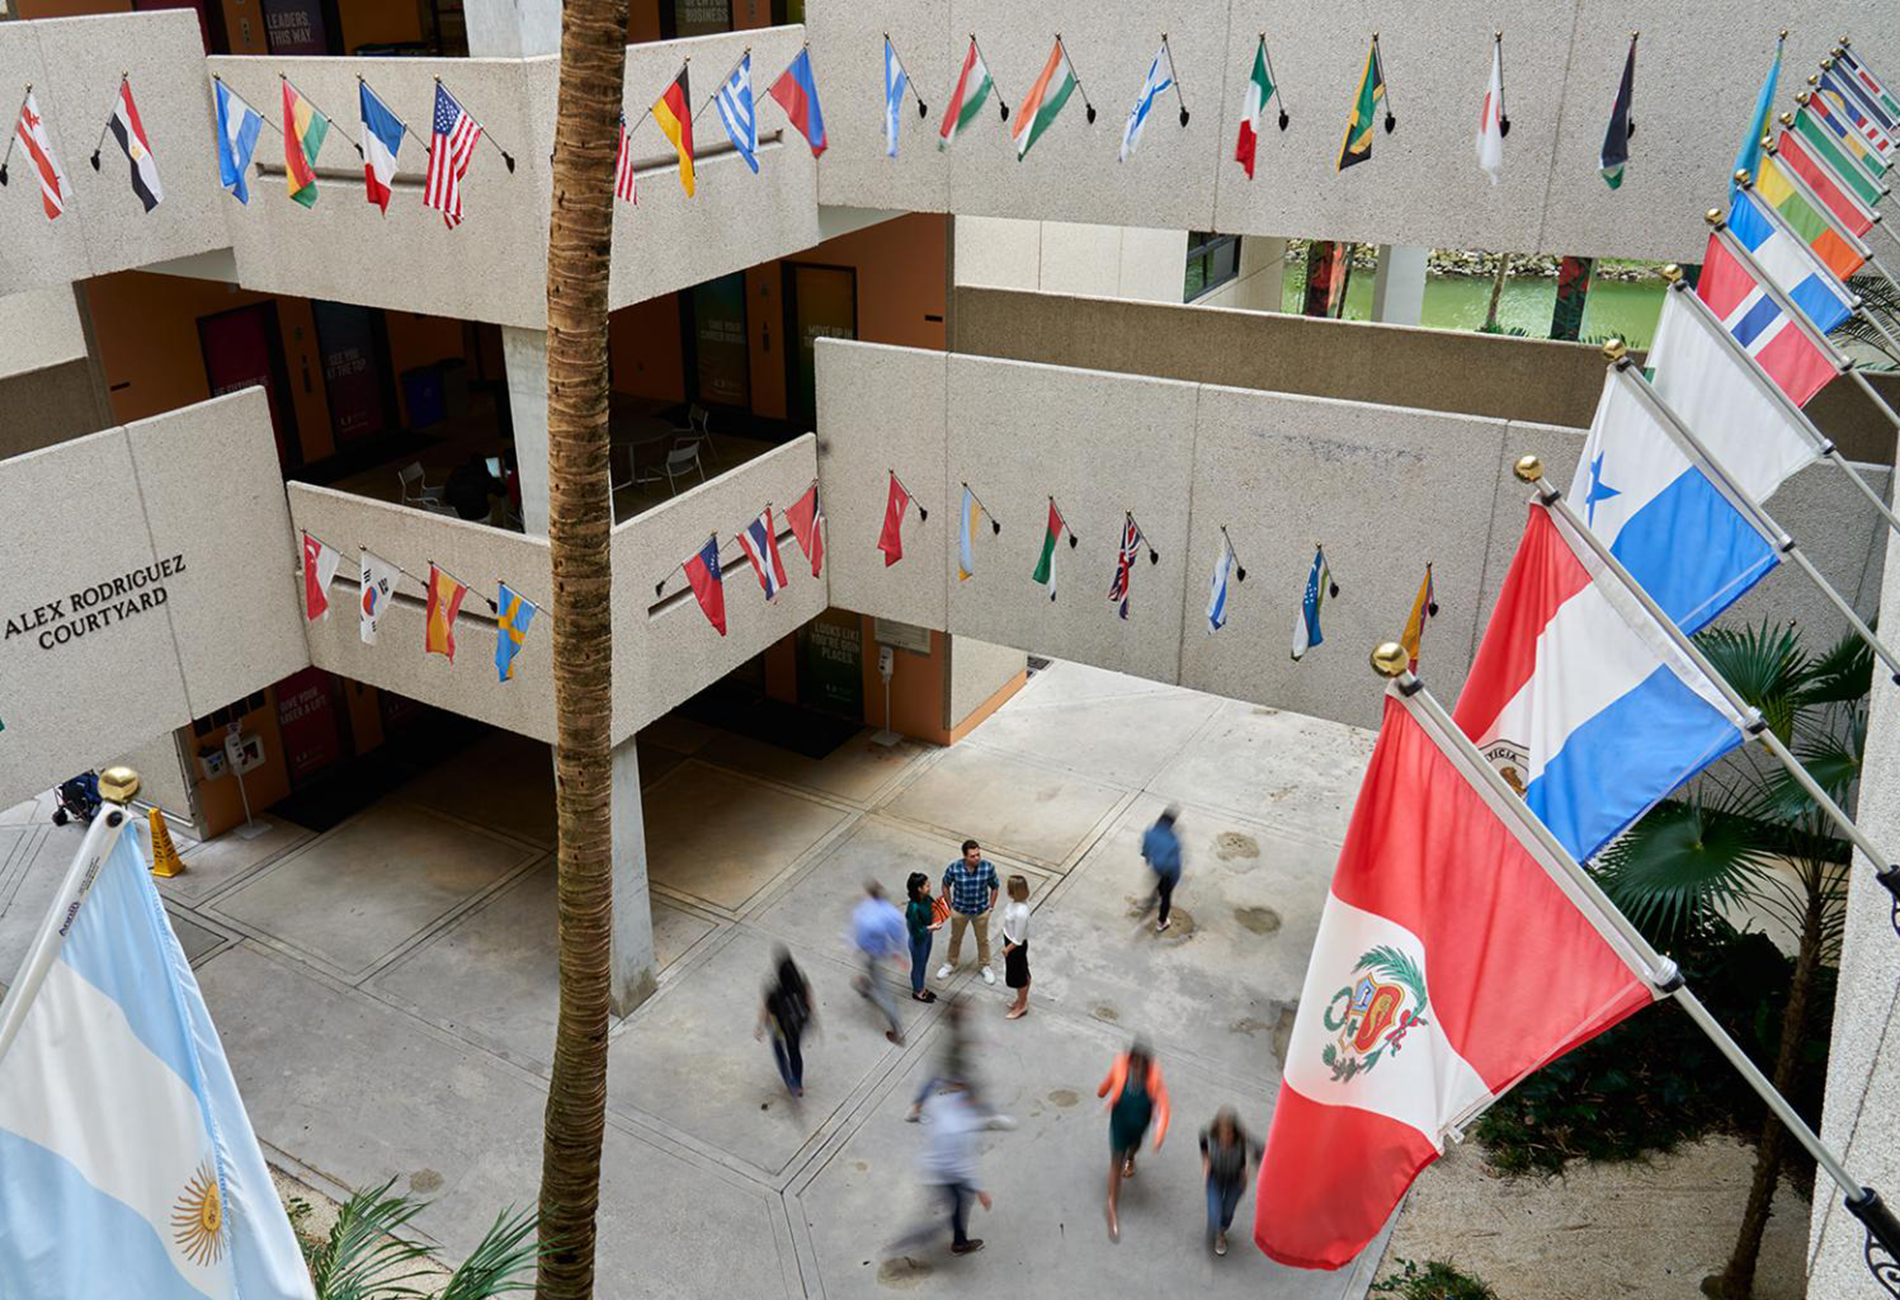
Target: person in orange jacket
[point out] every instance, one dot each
(1137, 1097)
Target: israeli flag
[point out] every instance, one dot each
(127, 1164)
(895, 83)
(238, 128)
(1217, 590)
(1155, 82)
(735, 111)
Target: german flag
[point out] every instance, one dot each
(674, 112)
(1357, 147)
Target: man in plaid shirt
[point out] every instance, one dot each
(971, 886)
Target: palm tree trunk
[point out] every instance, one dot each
(1737, 1279)
(580, 240)
(1497, 291)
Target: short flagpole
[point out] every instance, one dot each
(923, 515)
(392, 112)
(996, 529)
(1662, 974)
(1266, 52)
(1504, 118)
(1154, 556)
(506, 157)
(101, 143)
(1001, 103)
(1240, 570)
(1391, 118)
(14, 134)
(1174, 77)
(248, 104)
(923, 109)
(1073, 539)
(326, 117)
(1531, 470)
(712, 98)
(1063, 46)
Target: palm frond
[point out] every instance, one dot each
(1765, 665)
(1877, 294)
(1841, 674)
(496, 1266)
(362, 1257)
(1680, 863)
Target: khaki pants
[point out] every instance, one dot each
(981, 924)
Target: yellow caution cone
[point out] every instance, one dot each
(165, 860)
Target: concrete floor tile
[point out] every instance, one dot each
(1270, 765)
(1023, 809)
(30, 811)
(353, 896)
(40, 860)
(857, 770)
(1143, 731)
(195, 937)
(1066, 682)
(721, 838)
(678, 733)
(503, 780)
(655, 762)
(688, 1056)
(210, 865)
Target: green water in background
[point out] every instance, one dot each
(1457, 302)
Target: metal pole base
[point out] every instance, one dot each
(1882, 1250)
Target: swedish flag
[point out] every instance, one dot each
(1357, 147)
(513, 613)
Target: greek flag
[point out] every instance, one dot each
(127, 1164)
(735, 111)
(895, 83)
(1156, 82)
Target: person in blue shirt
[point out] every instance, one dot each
(1161, 850)
(877, 928)
(971, 885)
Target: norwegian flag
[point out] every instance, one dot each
(1752, 314)
(760, 543)
(623, 168)
(452, 140)
(1132, 542)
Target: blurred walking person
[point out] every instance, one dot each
(877, 927)
(1161, 850)
(786, 1015)
(971, 885)
(920, 919)
(949, 1165)
(955, 1066)
(1137, 1097)
(1016, 945)
(1226, 1151)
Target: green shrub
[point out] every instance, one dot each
(1437, 1280)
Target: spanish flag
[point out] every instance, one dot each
(445, 600)
(1357, 146)
(674, 112)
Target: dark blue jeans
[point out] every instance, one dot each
(960, 1194)
(919, 959)
(1221, 1202)
(791, 1062)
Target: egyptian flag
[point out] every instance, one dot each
(674, 112)
(708, 588)
(130, 133)
(1616, 140)
(805, 517)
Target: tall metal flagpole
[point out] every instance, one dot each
(1531, 470)
(1752, 510)
(1658, 971)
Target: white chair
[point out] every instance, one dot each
(699, 429)
(682, 460)
(416, 491)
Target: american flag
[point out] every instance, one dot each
(1125, 563)
(623, 167)
(451, 146)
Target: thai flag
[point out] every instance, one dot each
(760, 543)
(1581, 699)
(1749, 312)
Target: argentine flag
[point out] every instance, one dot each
(238, 128)
(127, 1164)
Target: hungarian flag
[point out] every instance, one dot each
(805, 517)
(973, 88)
(891, 539)
(674, 112)
(130, 133)
(320, 564)
(1044, 101)
(445, 601)
(1259, 91)
(1615, 154)
(30, 131)
(1424, 610)
(1046, 566)
(1453, 959)
(304, 129)
(709, 589)
(1357, 146)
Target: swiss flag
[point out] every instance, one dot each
(1452, 960)
(891, 540)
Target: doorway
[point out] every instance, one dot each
(718, 360)
(243, 347)
(353, 348)
(820, 302)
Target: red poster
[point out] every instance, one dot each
(306, 716)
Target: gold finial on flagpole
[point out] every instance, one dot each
(1786, 119)
(1672, 273)
(1742, 177)
(1713, 216)
(1389, 659)
(1528, 468)
(119, 784)
(1615, 350)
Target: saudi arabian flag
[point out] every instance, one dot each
(973, 90)
(1046, 566)
(1044, 101)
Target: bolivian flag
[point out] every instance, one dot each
(304, 129)
(1357, 147)
(674, 112)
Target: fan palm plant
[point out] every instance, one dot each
(1879, 297)
(1750, 838)
(369, 1256)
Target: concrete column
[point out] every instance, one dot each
(1398, 288)
(525, 358)
(1573, 292)
(513, 29)
(631, 958)
(1326, 263)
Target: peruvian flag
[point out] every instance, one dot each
(891, 539)
(805, 517)
(1453, 959)
(320, 564)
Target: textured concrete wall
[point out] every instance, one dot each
(39, 328)
(1071, 258)
(475, 553)
(74, 66)
(978, 670)
(664, 649)
(196, 491)
(1422, 185)
(51, 405)
(1261, 283)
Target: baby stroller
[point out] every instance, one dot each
(78, 798)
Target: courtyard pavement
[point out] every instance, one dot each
(386, 991)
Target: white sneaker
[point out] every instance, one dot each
(1002, 1122)
(945, 971)
(989, 976)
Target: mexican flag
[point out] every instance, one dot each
(1259, 91)
(1046, 566)
(1044, 101)
(973, 88)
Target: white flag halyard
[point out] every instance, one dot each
(127, 1164)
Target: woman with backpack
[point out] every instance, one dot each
(787, 1013)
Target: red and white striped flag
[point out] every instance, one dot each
(30, 130)
(452, 140)
(1455, 956)
(623, 168)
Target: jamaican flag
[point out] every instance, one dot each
(1357, 146)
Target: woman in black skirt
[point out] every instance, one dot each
(1016, 945)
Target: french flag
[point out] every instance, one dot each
(1581, 700)
(760, 543)
(1751, 314)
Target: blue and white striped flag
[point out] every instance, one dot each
(1319, 585)
(1217, 593)
(127, 1164)
(1156, 82)
(735, 111)
(895, 84)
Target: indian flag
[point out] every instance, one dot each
(1046, 566)
(1259, 91)
(1044, 101)
(304, 129)
(973, 88)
